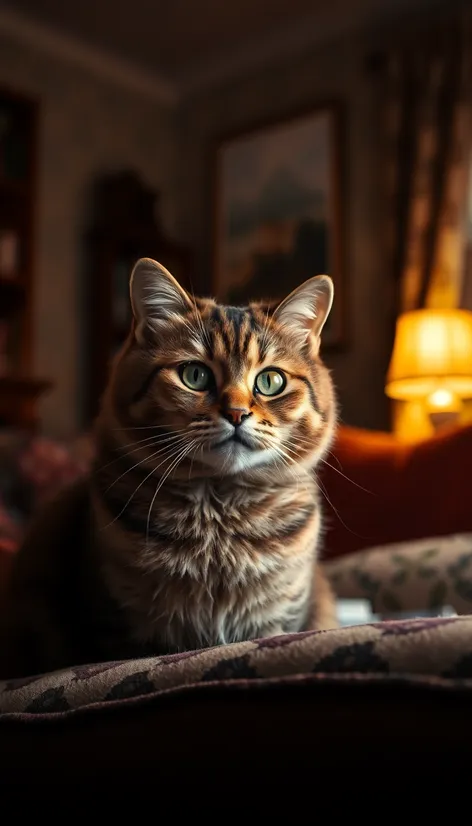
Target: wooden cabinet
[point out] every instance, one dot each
(125, 227)
(19, 391)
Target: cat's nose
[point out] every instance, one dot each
(236, 415)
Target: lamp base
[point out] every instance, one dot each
(443, 418)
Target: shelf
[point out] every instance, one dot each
(24, 385)
(18, 176)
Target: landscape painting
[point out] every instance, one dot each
(277, 219)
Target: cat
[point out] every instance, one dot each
(199, 522)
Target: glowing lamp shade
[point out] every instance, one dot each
(432, 354)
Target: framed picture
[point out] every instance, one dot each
(277, 211)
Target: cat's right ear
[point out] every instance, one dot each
(156, 297)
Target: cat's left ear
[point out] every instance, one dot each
(306, 309)
(156, 296)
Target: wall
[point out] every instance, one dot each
(86, 126)
(336, 71)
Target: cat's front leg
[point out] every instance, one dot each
(323, 612)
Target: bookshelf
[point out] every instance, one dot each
(19, 389)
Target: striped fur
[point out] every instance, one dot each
(203, 510)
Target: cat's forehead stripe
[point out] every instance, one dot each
(246, 341)
(236, 320)
(234, 328)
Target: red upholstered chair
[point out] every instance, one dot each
(399, 519)
(387, 491)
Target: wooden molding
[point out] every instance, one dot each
(102, 64)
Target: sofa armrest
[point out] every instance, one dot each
(381, 490)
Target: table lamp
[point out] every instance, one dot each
(432, 362)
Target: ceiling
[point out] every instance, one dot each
(186, 43)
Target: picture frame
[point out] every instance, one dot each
(277, 210)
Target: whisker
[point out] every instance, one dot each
(347, 478)
(142, 447)
(146, 459)
(167, 427)
(150, 438)
(159, 438)
(324, 492)
(140, 427)
(294, 450)
(322, 488)
(330, 453)
(174, 464)
(287, 460)
(277, 464)
(166, 459)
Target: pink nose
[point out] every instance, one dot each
(236, 415)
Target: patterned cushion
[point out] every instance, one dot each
(408, 576)
(432, 652)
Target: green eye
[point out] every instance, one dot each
(196, 376)
(270, 382)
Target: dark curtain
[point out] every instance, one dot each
(427, 107)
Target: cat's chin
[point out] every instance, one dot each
(233, 457)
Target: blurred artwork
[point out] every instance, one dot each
(277, 212)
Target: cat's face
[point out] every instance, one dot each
(228, 390)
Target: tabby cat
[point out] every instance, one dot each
(200, 521)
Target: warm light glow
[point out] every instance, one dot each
(432, 354)
(443, 400)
